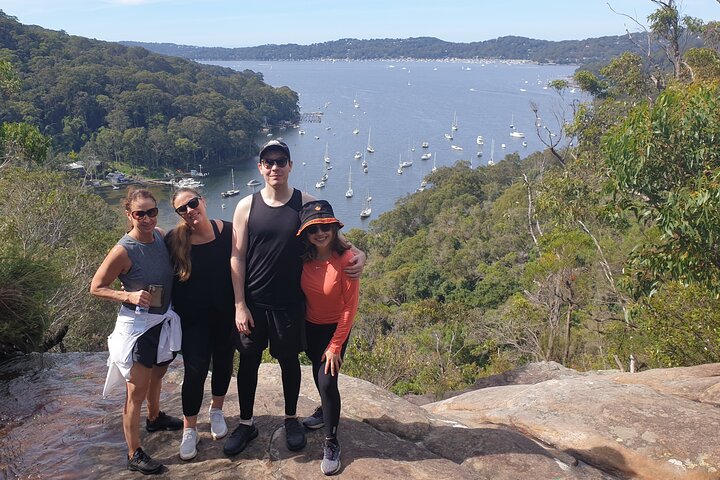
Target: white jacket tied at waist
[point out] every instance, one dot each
(128, 328)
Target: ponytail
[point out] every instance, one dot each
(180, 245)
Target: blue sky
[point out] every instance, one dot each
(239, 23)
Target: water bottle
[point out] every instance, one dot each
(140, 321)
(140, 310)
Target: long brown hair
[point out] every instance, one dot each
(337, 245)
(132, 195)
(179, 242)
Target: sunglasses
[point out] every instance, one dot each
(280, 162)
(193, 203)
(313, 229)
(138, 214)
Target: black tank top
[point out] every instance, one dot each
(210, 283)
(274, 265)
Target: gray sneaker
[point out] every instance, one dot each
(314, 421)
(331, 458)
(188, 445)
(218, 427)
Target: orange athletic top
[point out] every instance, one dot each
(331, 296)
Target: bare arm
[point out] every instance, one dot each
(115, 263)
(238, 263)
(356, 265)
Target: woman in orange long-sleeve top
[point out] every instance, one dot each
(332, 301)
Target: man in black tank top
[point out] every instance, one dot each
(269, 305)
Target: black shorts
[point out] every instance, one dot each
(146, 347)
(282, 327)
(318, 338)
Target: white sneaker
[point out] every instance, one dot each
(188, 446)
(218, 427)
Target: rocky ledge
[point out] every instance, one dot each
(539, 422)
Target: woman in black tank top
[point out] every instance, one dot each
(203, 297)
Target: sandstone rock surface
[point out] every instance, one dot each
(656, 424)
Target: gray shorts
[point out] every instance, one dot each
(282, 327)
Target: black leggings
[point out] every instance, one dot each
(318, 339)
(206, 337)
(247, 379)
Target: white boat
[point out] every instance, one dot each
(449, 136)
(320, 184)
(406, 164)
(455, 147)
(187, 183)
(422, 186)
(400, 167)
(491, 162)
(317, 138)
(369, 147)
(426, 156)
(512, 121)
(480, 140)
(233, 191)
(326, 158)
(356, 131)
(324, 175)
(253, 183)
(517, 134)
(196, 173)
(349, 192)
(434, 166)
(301, 132)
(357, 155)
(454, 126)
(425, 145)
(366, 211)
(524, 144)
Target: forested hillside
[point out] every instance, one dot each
(588, 51)
(600, 252)
(111, 103)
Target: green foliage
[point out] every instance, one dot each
(590, 83)
(678, 326)
(664, 162)
(704, 63)
(115, 103)
(22, 144)
(26, 286)
(9, 82)
(49, 220)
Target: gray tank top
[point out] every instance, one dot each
(150, 266)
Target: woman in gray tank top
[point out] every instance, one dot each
(147, 332)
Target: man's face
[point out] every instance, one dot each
(275, 167)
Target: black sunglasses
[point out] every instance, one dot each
(280, 162)
(138, 214)
(192, 203)
(313, 229)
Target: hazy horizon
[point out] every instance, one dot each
(224, 23)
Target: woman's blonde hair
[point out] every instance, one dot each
(337, 245)
(179, 242)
